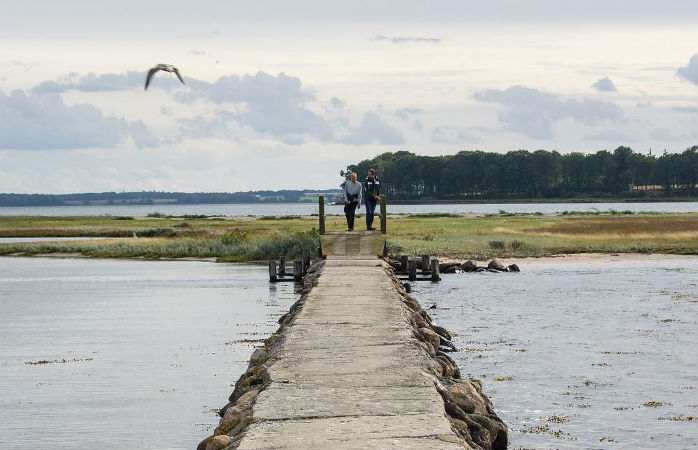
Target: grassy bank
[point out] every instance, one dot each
(446, 235)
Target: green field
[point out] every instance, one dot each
(444, 235)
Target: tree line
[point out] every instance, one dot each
(153, 197)
(538, 174)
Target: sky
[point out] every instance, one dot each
(283, 95)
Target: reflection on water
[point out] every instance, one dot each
(125, 354)
(581, 355)
(283, 209)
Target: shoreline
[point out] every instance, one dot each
(559, 258)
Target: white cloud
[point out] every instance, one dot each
(373, 129)
(405, 39)
(610, 136)
(452, 135)
(404, 113)
(690, 72)
(274, 105)
(44, 121)
(604, 85)
(98, 83)
(533, 112)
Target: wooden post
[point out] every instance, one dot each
(319, 251)
(321, 213)
(272, 272)
(425, 263)
(384, 226)
(435, 270)
(403, 263)
(297, 270)
(385, 249)
(306, 264)
(282, 266)
(412, 270)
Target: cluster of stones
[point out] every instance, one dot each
(470, 412)
(456, 266)
(236, 415)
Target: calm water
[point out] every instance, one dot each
(575, 355)
(150, 349)
(283, 209)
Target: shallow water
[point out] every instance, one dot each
(150, 348)
(581, 355)
(282, 209)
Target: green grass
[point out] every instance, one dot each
(445, 235)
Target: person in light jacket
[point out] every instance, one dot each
(352, 199)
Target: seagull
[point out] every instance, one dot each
(167, 68)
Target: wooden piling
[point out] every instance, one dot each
(306, 264)
(272, 272)
(282, 266)
(425, 263)
(403, 263)
(384, 223)
(297, 270)
(321, 213)
(412, 270)
(435, 276)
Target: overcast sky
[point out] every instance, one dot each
(284, 94)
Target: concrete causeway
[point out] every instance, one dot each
(349, 373)
(356, 364)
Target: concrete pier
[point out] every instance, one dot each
(349, 374)
(350, 368)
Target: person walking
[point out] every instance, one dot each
(352, 199)
(372, 188)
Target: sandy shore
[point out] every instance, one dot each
(596, 257)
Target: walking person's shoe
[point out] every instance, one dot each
(371, 229)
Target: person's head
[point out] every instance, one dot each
(352, 177)
(371, 173)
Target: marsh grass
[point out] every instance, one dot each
(245, 239)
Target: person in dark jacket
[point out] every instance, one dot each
(372, 195)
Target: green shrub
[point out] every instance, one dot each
(496, 245)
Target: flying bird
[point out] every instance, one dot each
(165, 67)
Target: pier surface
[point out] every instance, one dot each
(349, 373)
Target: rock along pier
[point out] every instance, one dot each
(356, 364)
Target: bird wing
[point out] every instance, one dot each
(151, 72)
(176, 71)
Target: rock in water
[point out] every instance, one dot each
(408, 287)
(513, 268)
(469, 266)
(496, 264)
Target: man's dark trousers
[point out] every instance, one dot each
(370, 207)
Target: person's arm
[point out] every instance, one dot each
(344, 192)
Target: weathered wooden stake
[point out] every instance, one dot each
(384, 223)
(403, 263)
(385, 249)
(306, 264)
(297, 270)
(412, 270)
(425, 263)
(435, 270)
(272, 272)
(321, 213)
(282, 266)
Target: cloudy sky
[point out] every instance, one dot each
(283, 94)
